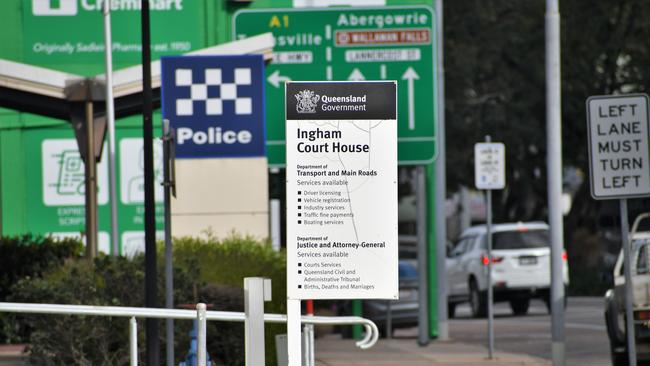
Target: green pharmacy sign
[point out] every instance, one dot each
(71, 31)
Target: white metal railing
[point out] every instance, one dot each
(371, 334)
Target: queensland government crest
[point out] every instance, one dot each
(307, 101)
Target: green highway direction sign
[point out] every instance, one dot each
(383, 43)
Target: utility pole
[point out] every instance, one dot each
(441, 184)
(554, 163)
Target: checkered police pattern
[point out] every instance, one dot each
(213, 105)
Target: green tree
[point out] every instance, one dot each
(495, 84)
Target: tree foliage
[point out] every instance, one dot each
(495, 84)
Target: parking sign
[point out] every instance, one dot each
(490, 165)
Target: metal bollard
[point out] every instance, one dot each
(201, 334)
(257, 290)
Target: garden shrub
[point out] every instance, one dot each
(82, 340)
(228, 262)
(27, 257)
(31, 256)
(210, 271)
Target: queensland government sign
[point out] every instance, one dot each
(353, 44)
(341, 190)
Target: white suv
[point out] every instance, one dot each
(521, 267)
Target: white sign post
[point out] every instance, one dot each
(619, 162)
(489, 174)
(341, 144)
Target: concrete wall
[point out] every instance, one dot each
(221, 196)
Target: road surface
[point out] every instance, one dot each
(586, 335)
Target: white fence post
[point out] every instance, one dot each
(257, 290)
(133, 340)
(201, 335)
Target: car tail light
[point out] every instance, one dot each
(642, 315)
(565, 257)
(485, 261)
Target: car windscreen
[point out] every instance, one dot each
(524, 239)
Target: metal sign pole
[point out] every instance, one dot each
(168, 140)
(489, 174)
(627, 267)
(91, 182)
(423, 263)
(490, 292)
(489, 275)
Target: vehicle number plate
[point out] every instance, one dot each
(527, 261)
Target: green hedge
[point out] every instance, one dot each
(28, 257)
(76, 340)
(228, 262)
(210, 271)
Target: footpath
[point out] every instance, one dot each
(11, 355)
(333, 351)
(397, 352)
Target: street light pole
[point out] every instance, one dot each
(110, 122)
(554, 162)
(441, 184)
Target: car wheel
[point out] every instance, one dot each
(477, 300)
(451, 310)
(520, 306)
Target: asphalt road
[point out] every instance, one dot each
(586, 335)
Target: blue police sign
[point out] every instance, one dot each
(216, 105)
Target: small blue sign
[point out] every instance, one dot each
(215, 104)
